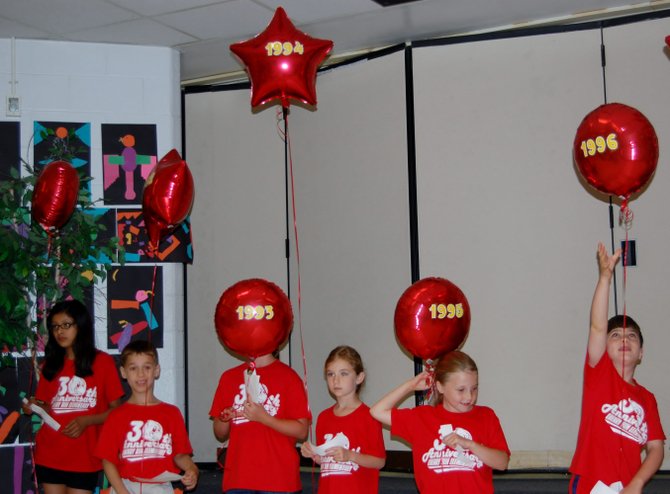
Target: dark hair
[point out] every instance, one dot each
(616, 322)
(451, 363)
(349, 355)
(138, 347)
(83, 345)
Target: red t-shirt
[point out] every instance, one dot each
(618, 419)
(70, 397)
(438, 468)
(364, 435)
(258, 457)
(142, 441)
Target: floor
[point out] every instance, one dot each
(507, 483)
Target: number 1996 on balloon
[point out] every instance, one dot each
(258, 312)
(599, 145)
(446, 311)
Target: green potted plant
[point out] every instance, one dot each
(37, 268)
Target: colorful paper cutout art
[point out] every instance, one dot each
(67, 141)
(132, 234)
(128, 156)
(134, 305)
(10, 149)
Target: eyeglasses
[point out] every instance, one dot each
(65, 325)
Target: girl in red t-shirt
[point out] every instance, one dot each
(78, 386)
(456, 444)
(351, 446)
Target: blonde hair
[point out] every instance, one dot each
(349, 355)
(449, 364)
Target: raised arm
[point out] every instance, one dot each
(600, 304)
(382, 409)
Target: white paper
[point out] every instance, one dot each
(48, 419)
(602, 488)
(162, 477)
(339, 440)
(253, 384)
(461, 456)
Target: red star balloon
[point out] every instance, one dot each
(282, 62)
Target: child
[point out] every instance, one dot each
(455, 443)
(144, 437)
(619, 416)
(353, 467)
(78, 386)
(261, 433)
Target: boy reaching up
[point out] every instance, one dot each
(143, 444)
(619, 416)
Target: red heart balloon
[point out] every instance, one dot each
(616, 149)
(432, 317)
(55, 195)
(282, 62)
(167, 197)
(253, 317)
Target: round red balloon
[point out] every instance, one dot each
(55, 195)
(167, 197)
(253, 317)
(616, 149)
(432, 317)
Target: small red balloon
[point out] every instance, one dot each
(167, 197)
(432, 317)
(253, 317)
(282, 62)
(616, 149)
(55, 195)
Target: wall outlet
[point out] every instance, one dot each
(13, 106)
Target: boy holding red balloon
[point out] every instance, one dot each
(261, 409)
(619, 417)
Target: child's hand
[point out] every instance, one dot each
(254, 412)
(227, 414)
(190, 478)
(307, 451)
(606, 262)
(75, 428)
(421, 382)
(42, 404)
(453, 441)
(338, 453)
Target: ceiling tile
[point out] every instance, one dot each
(64, 16)
(159, 7)
(301, 11)
(137, 32)
(235, 19)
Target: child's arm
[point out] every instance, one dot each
(297, 428)
(191, 472)
(76, 427)
(382, 409)
(494, 458)
(650, 465)
(112, 474)
(221, 428)
(600, 304)
(367, 461)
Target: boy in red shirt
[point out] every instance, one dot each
(619, 416)
(143, 444)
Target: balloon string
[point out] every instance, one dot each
(287, 136)
(151, 303)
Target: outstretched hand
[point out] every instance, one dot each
(606, 262)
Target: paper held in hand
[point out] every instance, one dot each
(252, 382)
(338, 440)
(602, 488)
